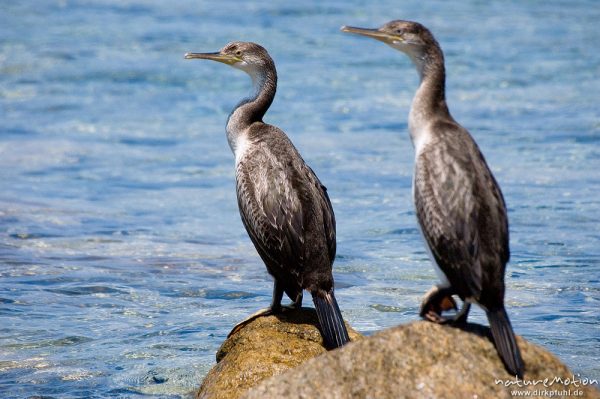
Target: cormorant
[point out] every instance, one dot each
(460, 208)
(284, 207)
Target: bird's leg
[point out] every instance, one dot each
(437, 300)
(277, 297)
(275, 308)
(298, 302)
(461, 317)
(276, 305)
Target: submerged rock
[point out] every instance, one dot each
(267, 346)
(424, 360)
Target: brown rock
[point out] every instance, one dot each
(265, 347)
(420, 360)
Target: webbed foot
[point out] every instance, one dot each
(437, 300)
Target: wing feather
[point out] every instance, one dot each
(448, 212)
(272, 215)
(278, 194)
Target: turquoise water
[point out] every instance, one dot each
(123, 261)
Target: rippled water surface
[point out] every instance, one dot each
(123, 261)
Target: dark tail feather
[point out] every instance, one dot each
(506, 344)
(332, 324)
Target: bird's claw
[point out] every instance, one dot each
(436, 301)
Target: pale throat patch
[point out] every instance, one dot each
(256, 74)
(237, 138)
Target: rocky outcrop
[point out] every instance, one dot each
(266, 346)
(424, 360)
(284, 357)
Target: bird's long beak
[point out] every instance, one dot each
(224, 58)
(373, 33)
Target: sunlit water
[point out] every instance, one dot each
(123, 261)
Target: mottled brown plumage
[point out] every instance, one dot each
(459, 205)
(284, 207)
(286, 212)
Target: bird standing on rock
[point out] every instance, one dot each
(459, 205)
(284, 207)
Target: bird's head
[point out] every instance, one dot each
(409, 37)
(247, 56)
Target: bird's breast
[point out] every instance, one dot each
(421, 137)
(240, 146)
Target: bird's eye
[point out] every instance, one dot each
(238, 53)
(399, 31)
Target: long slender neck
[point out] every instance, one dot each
(253, 108)
(429, 102)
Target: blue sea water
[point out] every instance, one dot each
(123, 260)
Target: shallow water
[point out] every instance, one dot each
(123, 261)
